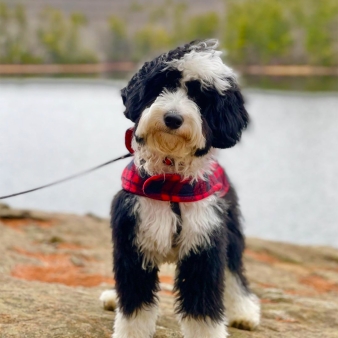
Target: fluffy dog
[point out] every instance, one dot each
(177, 204)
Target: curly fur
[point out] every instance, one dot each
(185, 104)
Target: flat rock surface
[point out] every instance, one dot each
(53, 268)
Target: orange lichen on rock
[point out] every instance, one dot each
(18, 223)
(266, 285)
(47, 258)
(58, 273)
(261, 257)
(57, 268)
(318, 283)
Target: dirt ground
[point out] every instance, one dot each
(53, 268)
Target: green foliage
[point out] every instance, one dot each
(252, 31)
(150, 40)
(61, 39)
(257, 31)
(136, 7)
(158, 14)
(119, 48)
(14, 43)
(203, 26)
(321, 29)
(269, 32)
(178, 19)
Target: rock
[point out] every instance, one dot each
(8, 213)
(54, 267)
(4, 206)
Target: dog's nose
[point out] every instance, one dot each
(173, 120)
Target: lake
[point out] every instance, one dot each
(285, 168)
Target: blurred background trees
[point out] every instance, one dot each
(15, 44)
(253, 32)
(257, 32)
(60, 38)
(288, 32)
(55, 39)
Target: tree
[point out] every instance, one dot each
(150, 40)
(203, 26)
(14, 31)
(256, 31)
(120, 46)
(61, 39)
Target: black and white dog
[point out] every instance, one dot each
(177, 204)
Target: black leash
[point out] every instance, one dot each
(67, 178)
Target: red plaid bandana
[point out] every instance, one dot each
(171, 187)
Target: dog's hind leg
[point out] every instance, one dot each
(200, 286)
(136, 286)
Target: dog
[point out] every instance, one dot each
(177, 204)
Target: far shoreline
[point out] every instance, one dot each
(128, 66)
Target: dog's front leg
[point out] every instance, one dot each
(136, 286)
(200, 287)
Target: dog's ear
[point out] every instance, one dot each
(124, 95)
(227, 117)
(131, 100)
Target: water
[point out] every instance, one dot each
(284, 169)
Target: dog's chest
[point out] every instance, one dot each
(167, 232)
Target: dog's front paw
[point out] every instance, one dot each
(203, 328)
(140, 324)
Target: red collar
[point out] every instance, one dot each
(171, 187)
(128, 138)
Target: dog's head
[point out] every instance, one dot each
(185, 102)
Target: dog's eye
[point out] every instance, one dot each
(194, 89)
(199, 96)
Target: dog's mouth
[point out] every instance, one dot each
(173, 133)
(168, 142)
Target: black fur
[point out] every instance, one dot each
(235, 237)
(200, 275)
(136, 287)
(151, 79)
(208, 139)
(225, 114)
(200, 279)
(143, 89)
(175, 207)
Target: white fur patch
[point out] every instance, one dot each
(156, 228)
(242, 308)
(108, 299)
(205, 66)
(192, 328)
(140, 325)
(189, 167)
(199, 220)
